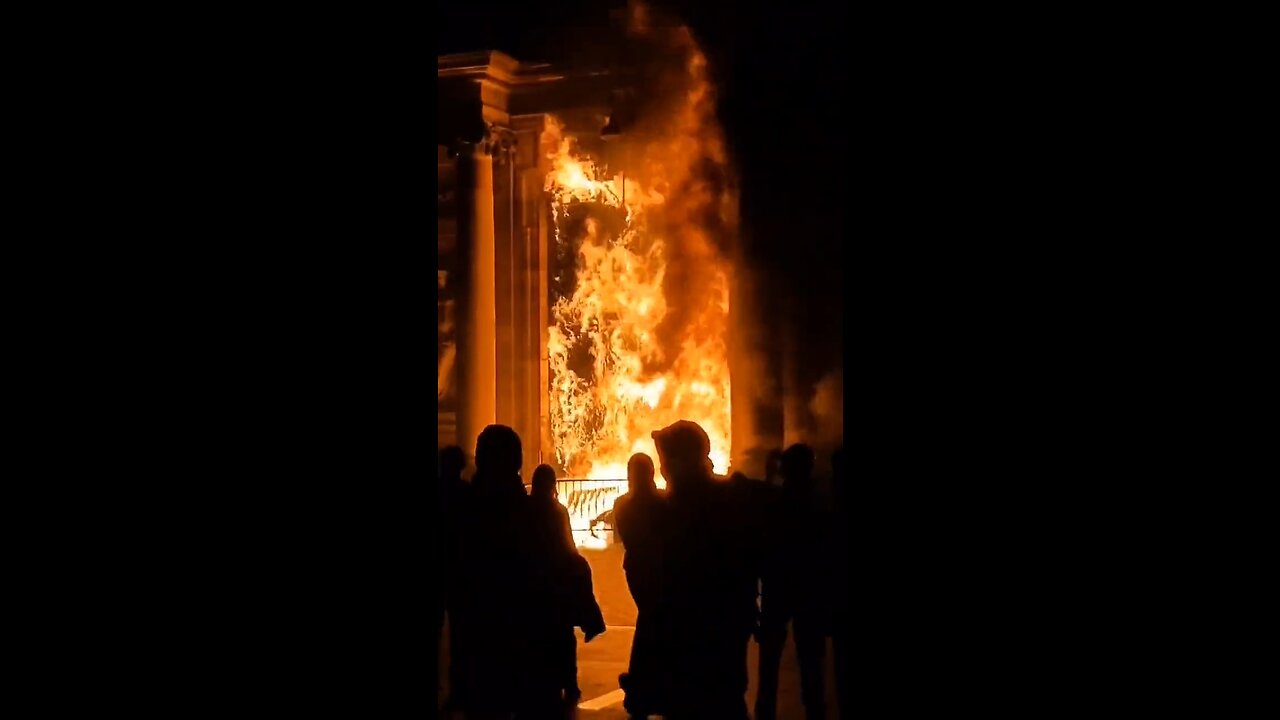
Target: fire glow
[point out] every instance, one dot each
(640, 343)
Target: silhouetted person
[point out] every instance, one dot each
(841, 620)
(496, 580)
(552, 531)
(793, 589)
(453, 505)
(552, 541)
(707, 599)
(639, 517)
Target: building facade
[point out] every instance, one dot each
(493, 235)
(492, 239)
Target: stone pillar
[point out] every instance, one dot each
(540, 285)
(521, 213)
(513, 152)
(477, 353)
(506, 258)
(528, 285)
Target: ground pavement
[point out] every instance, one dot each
(601, 660)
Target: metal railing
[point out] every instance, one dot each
(588, 500)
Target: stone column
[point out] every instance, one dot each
(515, 400)
(477, 353)
(529, 245)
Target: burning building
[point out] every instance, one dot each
(587, 292)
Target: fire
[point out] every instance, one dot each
(641, 341)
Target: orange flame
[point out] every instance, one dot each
(641, 340)
(600, 420)
(603, 414)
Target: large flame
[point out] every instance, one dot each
(641, 341)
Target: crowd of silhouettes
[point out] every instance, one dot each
(711, 563)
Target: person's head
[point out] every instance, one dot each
(452, 462)
(544, 482)
(797, 467)
(498, 451)
(640, 474)
(684, 452)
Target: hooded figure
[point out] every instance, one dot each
(707, 597)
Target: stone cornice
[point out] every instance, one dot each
(492, 65)
(483, 90)
(505, 75)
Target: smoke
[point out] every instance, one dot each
(826, 409)
(680, 151)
